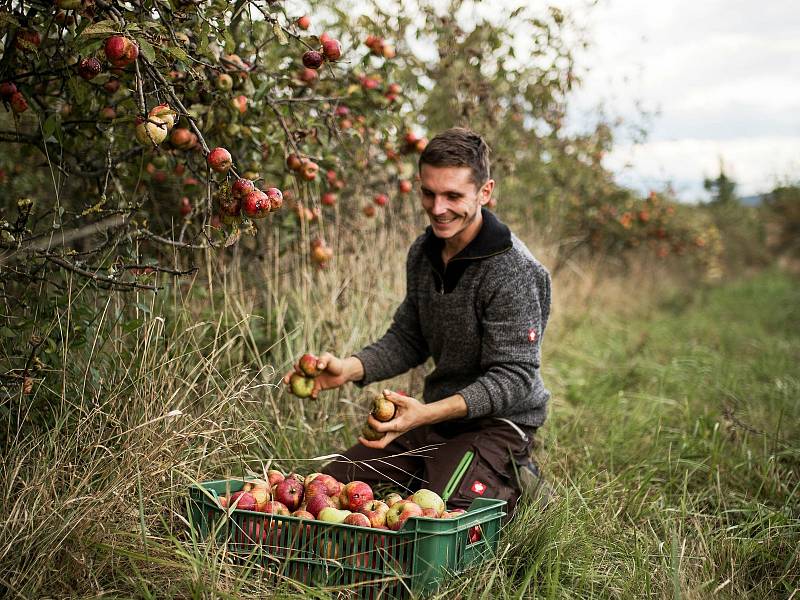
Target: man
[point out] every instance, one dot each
(477, 302)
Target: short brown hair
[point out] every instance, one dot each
(458, 147)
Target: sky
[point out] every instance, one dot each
(718, 80)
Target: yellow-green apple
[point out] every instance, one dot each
(357, 519)
(383, 409)
(289, 492)
(375, 510)
(428, 499)
(301, 385)
(400, 512)
(368, 433)
(392, 499)
(332, 515)
(166, 113)
(151, 131)
(225, 82)
(354, 494)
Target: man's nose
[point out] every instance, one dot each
(439, 205)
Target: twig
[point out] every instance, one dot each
(99, 278)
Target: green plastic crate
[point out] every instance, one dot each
(376, 563)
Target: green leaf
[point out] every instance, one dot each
(100, 28)
(230, 43)
(176, 52)
(204, 31)
(49, 126)
(147, 50)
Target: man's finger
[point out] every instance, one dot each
(377, 444)
(380, 426)
(395, 398)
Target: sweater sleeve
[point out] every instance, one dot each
(403, 346)
(514, 318)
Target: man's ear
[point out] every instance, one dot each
(485, 193)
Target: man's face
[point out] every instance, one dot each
(452, 200)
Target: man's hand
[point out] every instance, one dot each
(410, 413)
(335, 372)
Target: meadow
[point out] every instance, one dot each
(673, 441)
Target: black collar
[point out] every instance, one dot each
(493, 238)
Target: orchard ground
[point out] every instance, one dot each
(672, 439)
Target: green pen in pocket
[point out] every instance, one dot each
(458, 475)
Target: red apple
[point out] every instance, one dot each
(332, 486)
(7, 89)
(303, 514)
(304, 22)
(219, 160)
(308, 363)
(239, 103)
(241, 187)
(313, 59)
(27, 40)
(309, 170)
(256, 205)
(328, 199)
(276, 508)
(275, 197)
(404, 186)
(324, 37)
(375, 510)
(315, 503)
(243, 500)
(354, 494)
(430, 512)
(294, 162)
(332, 49)
(185, 206)
(394, 88)
(400, 512)
(274, 476)
(380, 199)
(289, 492)
(18, 103)
(474, 534)
(357, 519)
(89, 68)
(120, 51)
(181, 138)
(111, 86)
(308, 75)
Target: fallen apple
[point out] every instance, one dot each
(429, 499)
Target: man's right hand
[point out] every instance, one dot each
(335, 372)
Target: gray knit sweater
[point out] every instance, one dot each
(482, 319)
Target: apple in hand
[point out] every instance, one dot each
(301, 385)
(400, 512)
(308, 365)
(383, 409)
(370, 434)
(355, 494)
(429, 499)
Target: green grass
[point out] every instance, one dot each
(673, 441)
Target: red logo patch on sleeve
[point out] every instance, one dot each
(531, 335)
(478, 487)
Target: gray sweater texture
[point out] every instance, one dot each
(482, 318)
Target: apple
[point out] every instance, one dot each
(474, 534)
(320, 255)
(392, 499)
(185, 206)
(120, 51)
(111, 86)
(315, 503)
(430, 512)
(308, 75)
(289, 492)
(181, 138)
(303, 514)
(354, 494)
(383, 409)
(375, 510)
(309, 170)
(304, 22)
(27, 40)
(388, 51)
(332, 515)
(18, 103)
(332, 49)
(294, 162)
(380, 199)
(275, 508)
(256, 205)
(7, 89)
(224, 82)
(89, 68)
(261, 493)
(404, 186)
(164, 112)
(151, 132)
(301, 385)
(368, 433)
(313, 59)
(368, 210)
(243, 500)
(274, 476)
(241, 187)
(394, 88)
(324, 37)
(308, 362)
(328, 199)
(429, 499)
(275, 197)
(239, 103)
(452, 514)
(357, 519)
(421, 144)
(219, 160)
(400, 512)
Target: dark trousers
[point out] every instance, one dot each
(428, 456)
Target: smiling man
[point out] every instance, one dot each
(477, 302)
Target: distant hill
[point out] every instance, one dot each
(754, 200)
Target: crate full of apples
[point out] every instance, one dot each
(316, 529)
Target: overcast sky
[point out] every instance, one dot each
(722, 78)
